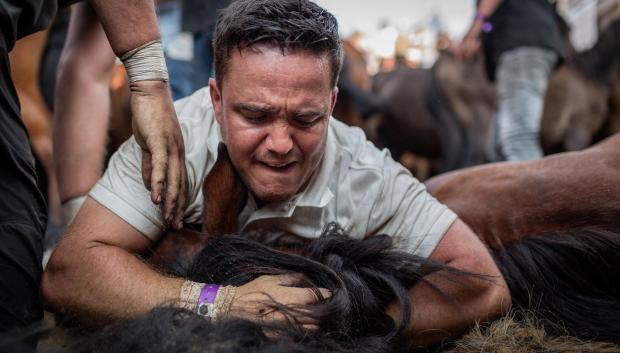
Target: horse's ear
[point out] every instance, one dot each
(224, 194)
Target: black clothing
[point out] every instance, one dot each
(19, 18)
(23, 215)
(51, 56)
(521, 23)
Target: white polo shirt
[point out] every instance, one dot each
(357, 185)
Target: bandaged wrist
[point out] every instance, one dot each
(190, 292)
(146, 63)
(223, 302)
(208, 300)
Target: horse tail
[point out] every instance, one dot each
(569, 279)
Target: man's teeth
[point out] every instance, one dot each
(278, 165)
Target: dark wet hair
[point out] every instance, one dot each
(286, 24)
(567, 279)
(364, 276)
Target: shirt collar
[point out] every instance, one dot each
(317, 193)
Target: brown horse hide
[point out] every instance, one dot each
(225, 196)
(503, 202)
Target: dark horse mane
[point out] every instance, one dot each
(363, 276)
(602, 60)
(567, 278)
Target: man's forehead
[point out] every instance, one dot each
(271, 61)
(266, 49)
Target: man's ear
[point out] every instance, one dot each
(334, 99)
(216, 99)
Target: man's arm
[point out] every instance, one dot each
(96, 275)
(464, 300)
(129, 25)
(82, 104)
(470, 45)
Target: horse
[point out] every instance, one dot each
(345, 109)
(548, 231)
(502, 202)
(456, 98)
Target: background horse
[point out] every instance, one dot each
(453, 104)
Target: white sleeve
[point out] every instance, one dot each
(407, 212)
(122, 191)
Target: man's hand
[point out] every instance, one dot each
(468, 48)
(157, 131)
(252, 300)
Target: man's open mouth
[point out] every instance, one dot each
(280, 167)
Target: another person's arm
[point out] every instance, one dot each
(470, 45)
(130, 25)
(82, 104)
(463, 300)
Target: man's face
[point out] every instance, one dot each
(274, 109)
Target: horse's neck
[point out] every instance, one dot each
(505, 202)
(225, 196)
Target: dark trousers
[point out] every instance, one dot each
(22, 213)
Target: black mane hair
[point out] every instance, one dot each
(570, 280)
(364, 276)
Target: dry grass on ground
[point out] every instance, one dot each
(526, 336)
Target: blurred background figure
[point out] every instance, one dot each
(522, 44)
(187, 31)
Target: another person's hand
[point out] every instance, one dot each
(468, 48)
(253, 301)
(158, 133)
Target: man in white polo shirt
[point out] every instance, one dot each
(276, 64)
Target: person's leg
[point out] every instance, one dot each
(522, 77)
(178, 49)
(492, 148)
(22, 214)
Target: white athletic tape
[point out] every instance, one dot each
(146, 63)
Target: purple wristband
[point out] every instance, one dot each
(486, 25)
(206, 299)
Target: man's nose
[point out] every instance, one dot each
(279, 140)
